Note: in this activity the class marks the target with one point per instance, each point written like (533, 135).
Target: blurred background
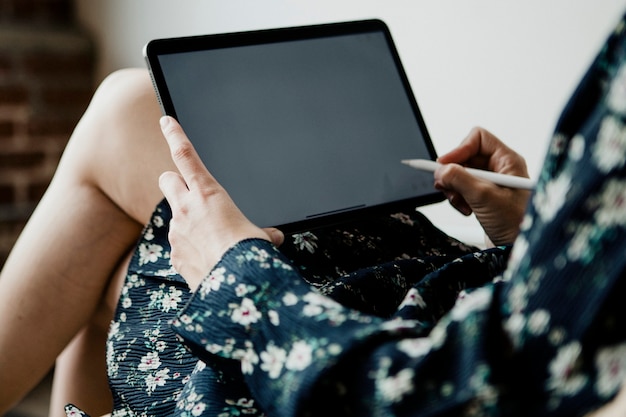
(505, 65)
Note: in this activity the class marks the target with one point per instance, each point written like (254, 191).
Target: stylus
(511, 181)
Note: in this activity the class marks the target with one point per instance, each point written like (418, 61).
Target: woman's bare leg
(56, 276)
(80, 375)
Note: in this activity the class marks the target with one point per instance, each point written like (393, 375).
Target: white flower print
(213, 281)
(397, 324)
(413, 298)
(200, 366)
(246, 313)
(616, 98)
(556, 336)
(306, 240)
(527, 222)
(612, 210)
(149, 253)
(111, 361)
(549, 201)
(261, 256)
(518, 252)
(114, 329)
(72, 411)
(158, 221)
(230, 279)
(299, 356)
(157, 380)
(404, 218)
(577, 147)
(611, 366)
(558, 143)
(564, 379)
(290, 299)
(248, 359)
(245, 402)
(133, 281)
(171, 299)
(393, 388)
(241, 290)
(243, 406)
(148, 234)
(213, 348)
(150, 361)
(476, 300)
(514, 325)
(198, 409)
(538, 322)
(317, 303)
(578, 246)
(334, 349)
(272, 360)
(486, 393)
(438, 334)
(518, 297)
(414, 348)
(274, 317)
(610, 150)
(193, 396)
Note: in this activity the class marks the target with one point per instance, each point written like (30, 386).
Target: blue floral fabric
(451, 330)
(151, 372)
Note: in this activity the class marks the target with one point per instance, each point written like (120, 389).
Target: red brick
(54, 64)
(7, 194)
(6, 66)
(39, 11)
(7, 129)
(48, 65)
(36, 191)
(13, 94)
(67, 97)
(20, 160)
(50, 126)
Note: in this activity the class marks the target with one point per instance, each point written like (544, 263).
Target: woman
(99, 213)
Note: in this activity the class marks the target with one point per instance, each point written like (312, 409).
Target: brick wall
(46, 80)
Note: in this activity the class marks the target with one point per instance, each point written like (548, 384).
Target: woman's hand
(498, 209)
(205, 221)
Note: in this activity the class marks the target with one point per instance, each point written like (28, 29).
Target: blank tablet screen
(300, 128)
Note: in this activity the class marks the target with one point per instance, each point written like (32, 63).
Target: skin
(61, 283)
(498, 209)
(58, 286)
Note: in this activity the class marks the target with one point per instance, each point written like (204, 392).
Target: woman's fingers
(184, 155)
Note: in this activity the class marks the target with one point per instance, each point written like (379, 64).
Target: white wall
(506, 65)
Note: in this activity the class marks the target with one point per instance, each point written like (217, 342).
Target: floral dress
(358, 321)
(149, 368)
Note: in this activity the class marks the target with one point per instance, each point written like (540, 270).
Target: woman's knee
(118, 147)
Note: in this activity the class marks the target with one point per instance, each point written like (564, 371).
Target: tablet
(304, 126)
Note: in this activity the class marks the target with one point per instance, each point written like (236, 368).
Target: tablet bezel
(157, 47)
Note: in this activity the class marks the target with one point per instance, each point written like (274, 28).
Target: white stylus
(511, 181)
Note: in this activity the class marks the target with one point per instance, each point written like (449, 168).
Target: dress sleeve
(544, 339)
(301, 351)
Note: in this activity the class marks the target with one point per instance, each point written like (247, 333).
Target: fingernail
(164, 121)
